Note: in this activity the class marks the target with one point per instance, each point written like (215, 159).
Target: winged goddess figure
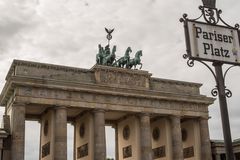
(109, 32)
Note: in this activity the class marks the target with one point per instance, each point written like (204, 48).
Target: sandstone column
(60, 147)
(99, 135)
(17, 131)
(206, 153)
(177, 147)
(145, 137)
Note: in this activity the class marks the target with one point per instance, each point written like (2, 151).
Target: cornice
(42, 65)
(192, 84)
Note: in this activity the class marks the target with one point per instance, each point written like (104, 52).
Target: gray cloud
(68, 32)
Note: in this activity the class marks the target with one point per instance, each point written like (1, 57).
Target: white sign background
(207, 42)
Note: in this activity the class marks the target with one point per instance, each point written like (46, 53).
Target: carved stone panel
(159, 152)
(188, 152)
(82, 151)
(45, 149)
(122, 77)
(127, 152)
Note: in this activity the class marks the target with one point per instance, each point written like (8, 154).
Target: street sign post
(209, 41)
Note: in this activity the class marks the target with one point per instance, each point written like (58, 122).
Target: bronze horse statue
(123, 61)
(135, 61)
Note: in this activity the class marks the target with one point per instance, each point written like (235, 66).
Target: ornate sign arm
(225, 73)
(190, 63)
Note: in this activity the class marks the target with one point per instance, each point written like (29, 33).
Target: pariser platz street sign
(219, 44)
(212, 42)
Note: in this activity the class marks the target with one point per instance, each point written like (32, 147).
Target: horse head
(138, 53)
(128, 50)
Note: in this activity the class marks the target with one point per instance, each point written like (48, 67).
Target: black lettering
(212, 49)
(206, 47)
(226, 53)
(205, 35)
(210, 35)
(225, 38)
(230, 39)
(217, 52)
(198, 31)
(220, 38)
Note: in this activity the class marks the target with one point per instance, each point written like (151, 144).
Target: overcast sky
(67, 32)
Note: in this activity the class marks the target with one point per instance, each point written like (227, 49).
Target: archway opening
(32, 140)
(110, 142)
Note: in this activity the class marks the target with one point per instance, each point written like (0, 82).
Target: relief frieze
(110, 99)
(114, 77)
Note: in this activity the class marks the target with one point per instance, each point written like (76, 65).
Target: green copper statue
(135, 61)
(107, 57)
(124, 61)
(99, 56)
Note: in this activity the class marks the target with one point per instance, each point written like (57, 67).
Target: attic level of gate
(40, 86)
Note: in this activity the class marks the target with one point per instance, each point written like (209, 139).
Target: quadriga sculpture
(106, 57)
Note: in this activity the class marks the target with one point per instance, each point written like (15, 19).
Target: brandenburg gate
(153, 118)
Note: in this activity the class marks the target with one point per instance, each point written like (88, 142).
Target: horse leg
(141, 65)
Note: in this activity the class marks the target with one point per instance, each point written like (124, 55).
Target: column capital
(98, 110)
(18, 104)
(144, 114)
(171, 117)
(59, 107)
